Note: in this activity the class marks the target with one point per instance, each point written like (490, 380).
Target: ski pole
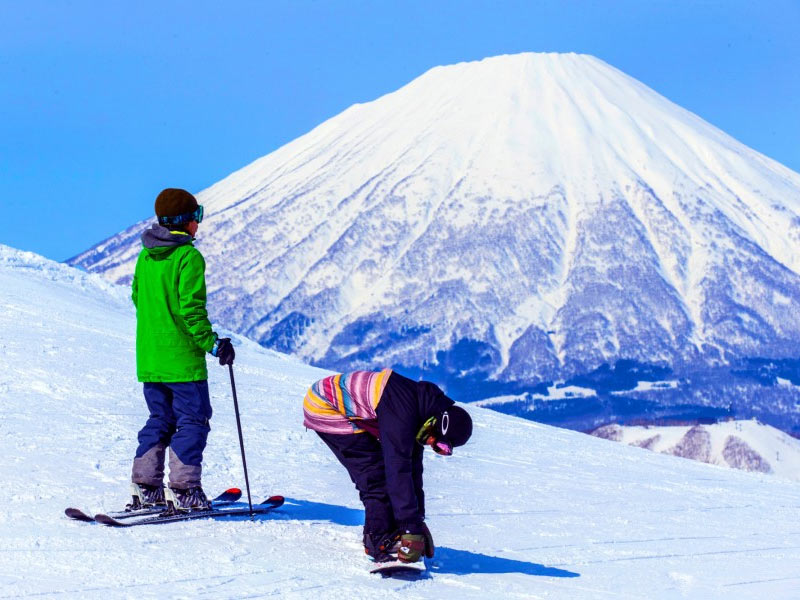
(241, 441)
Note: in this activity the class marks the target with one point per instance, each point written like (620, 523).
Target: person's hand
(412, 547)
(224, 351)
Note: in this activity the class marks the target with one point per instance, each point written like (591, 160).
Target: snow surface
(524, 218)
(523, 511)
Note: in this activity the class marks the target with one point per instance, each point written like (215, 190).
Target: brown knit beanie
(173, 202)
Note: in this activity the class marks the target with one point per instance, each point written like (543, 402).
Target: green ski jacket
(173, 332)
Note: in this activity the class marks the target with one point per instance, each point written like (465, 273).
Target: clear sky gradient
(103, 104)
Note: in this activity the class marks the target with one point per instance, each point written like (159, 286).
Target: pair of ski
(221, 507)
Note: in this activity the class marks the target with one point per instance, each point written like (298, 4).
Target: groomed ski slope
(524, 511)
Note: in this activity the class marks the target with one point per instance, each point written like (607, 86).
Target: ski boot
(145, 496)
(186, 500)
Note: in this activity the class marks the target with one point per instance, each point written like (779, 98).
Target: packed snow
(523, 511)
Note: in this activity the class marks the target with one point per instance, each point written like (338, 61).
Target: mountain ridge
(745, 445)
(522, 219)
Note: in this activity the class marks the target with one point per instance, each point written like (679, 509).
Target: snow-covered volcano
(524, 218)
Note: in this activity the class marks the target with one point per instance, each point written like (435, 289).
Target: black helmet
(454, 426)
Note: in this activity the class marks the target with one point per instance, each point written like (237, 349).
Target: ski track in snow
(523, 511)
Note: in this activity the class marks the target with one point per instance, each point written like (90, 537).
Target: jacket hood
(159, 236)
(432, 400)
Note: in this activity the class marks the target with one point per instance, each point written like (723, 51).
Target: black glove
(224, 351)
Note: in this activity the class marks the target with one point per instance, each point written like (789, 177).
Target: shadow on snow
(306, 510)
(447, 560)
(463, 562)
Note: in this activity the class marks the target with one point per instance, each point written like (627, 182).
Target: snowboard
(400, 570)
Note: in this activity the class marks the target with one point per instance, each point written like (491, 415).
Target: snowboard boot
(382, 547)
(188, 499)
(145, 496)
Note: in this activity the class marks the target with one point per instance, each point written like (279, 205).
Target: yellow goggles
(426, 436)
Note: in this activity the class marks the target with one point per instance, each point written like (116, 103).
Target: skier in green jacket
(173, 335)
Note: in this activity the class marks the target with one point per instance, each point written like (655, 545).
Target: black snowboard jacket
(403, 408)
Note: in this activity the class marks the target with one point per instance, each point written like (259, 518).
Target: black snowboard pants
(361, 455)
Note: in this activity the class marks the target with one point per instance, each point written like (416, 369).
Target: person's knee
(156, 430)
(194, 423)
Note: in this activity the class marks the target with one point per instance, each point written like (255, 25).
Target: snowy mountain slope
(745, 445)
(524, 218)
(523, 511)
(632, 393)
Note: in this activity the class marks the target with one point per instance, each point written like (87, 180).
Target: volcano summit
(504, 224)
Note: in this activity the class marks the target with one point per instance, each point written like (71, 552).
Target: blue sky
(103, 104)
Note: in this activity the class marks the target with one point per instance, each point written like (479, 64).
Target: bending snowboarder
(173, 334)
(377, 424)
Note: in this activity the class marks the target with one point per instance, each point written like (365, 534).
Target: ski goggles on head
(195, 215)
(426, 436)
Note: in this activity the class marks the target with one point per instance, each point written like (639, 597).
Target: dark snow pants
(179, 418)
(361, 455)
